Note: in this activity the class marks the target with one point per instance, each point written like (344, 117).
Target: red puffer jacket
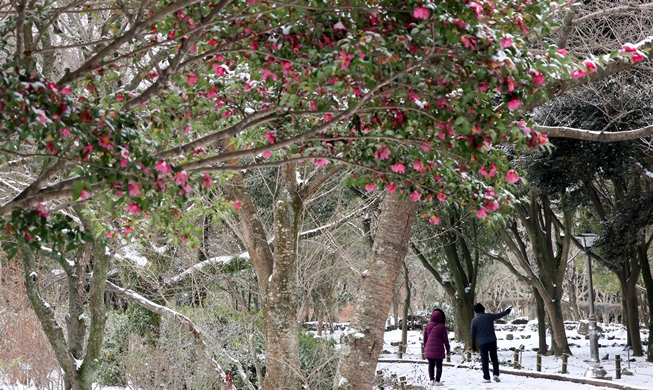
(436, 341)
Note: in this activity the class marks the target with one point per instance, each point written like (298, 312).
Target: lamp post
(595, 370)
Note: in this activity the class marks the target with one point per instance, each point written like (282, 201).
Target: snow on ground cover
(612, 342)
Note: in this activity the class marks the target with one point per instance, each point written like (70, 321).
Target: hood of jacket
(436, 317)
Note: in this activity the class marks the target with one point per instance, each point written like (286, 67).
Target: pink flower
(134, 189)
(133, 208)
(629, 48)
(87, 149)
(270, 137)
(180, 177)
(109, 234)
(127, 230)
(218, 69)
(481, 213)
(538, 78)
(415, 196)
(66, 91)
(28, 237)
(442, 196)
(562, 52)
(238, 205)
(207, 181)
(512, 176)
(417, 165)
(578, 73)
(124, 163)
(383, 153)
(65, 132)
(120, 96)
(84, 194)
(192, 79)
(477, 9)
(345, 58)
(370, 186)
(392, 187)
(506, 42)
(41, 210)
(490, 173)
(514, 103)
(106, 142)
(490, 192)
(398, 168)
(434, 220)
(266, 73)
(421, 13)
(491, 205)
(321, 162)
(163, 167)
(637, 57)
(266, 154)
(591, 66)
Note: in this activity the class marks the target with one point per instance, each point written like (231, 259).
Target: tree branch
(596, 136)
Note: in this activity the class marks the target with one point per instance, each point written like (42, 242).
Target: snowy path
(612, 343)
(465, 378)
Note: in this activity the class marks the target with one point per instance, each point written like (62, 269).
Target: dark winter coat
(483, 327)
(436, 339)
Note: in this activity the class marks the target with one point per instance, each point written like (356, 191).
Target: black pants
(438, 364)
(491, 349)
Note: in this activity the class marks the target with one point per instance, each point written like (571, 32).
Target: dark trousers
(438, 364)
(491, 349)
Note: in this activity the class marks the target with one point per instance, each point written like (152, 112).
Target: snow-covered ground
(611, 343)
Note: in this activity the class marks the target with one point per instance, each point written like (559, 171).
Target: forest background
(184, 183)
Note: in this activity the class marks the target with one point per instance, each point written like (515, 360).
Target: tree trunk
(541, 323)
(463, 316)
(629, 291)
(404, 324)
(77, 359)
(280, 306)
(361, 346)
(648, 283)
(558, 333)
(573, 297)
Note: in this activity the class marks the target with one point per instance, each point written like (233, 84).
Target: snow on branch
(223, 260)
(317, 230)
(596, 136)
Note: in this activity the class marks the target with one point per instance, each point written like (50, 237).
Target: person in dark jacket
(436, 341)
(483, 331)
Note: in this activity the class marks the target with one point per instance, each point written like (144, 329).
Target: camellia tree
(163, 98)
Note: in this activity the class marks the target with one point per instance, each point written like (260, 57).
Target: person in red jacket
(436, 341)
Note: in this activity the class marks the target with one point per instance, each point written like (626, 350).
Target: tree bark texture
(648, 283)
(628, 278)
(77, 357)
(280, 306)
(362, 344)
(543, 349)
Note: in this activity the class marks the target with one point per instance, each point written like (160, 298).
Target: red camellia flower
(134, 208)
(421, 13)
(512, 176)
(514, 103)
(192, 79)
